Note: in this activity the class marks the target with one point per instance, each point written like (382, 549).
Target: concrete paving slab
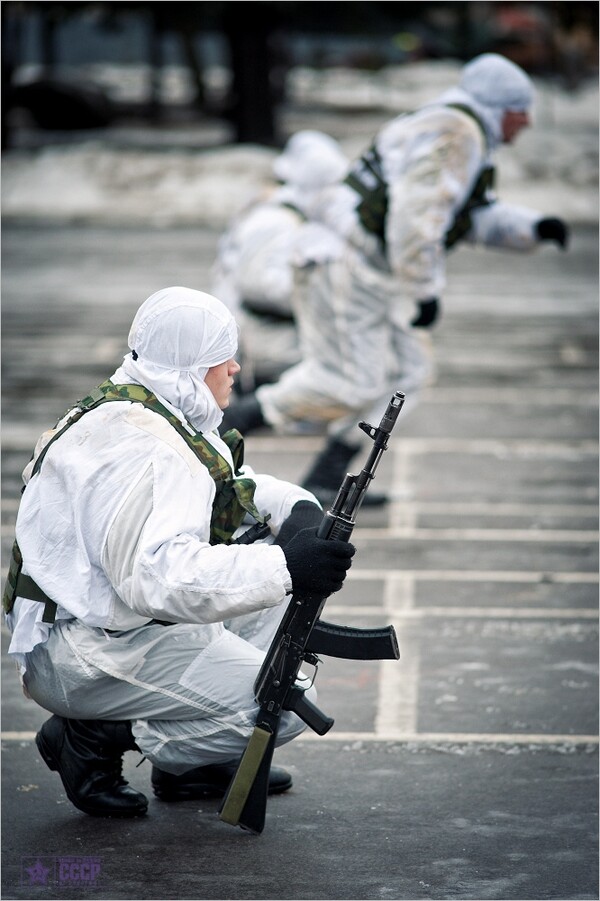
(364, 821)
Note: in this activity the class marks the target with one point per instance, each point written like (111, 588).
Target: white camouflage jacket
(431, 160)
(115, 528)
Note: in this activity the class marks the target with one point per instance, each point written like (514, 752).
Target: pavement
(469, 768)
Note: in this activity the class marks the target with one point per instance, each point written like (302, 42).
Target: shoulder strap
(19, 585)
(367, 179)
(76, 413)
(234, 497)
(288, 205)
(478, 197)
(214, 462)
(463, 108)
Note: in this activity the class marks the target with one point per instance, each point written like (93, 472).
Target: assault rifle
(301, 637)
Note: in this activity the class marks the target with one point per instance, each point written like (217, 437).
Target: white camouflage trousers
(357, 349)
(188, 689)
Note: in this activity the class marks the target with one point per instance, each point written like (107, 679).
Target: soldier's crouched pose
(135, 620)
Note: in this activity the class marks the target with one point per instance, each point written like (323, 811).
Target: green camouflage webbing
(478, 197)
(234, 497)
(367, 179)
(288, 205)
(10, 586)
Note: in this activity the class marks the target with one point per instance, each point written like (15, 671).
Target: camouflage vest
(367, 179)
(234, 497)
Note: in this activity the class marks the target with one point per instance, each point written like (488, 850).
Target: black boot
(327, 474)
(244, 414)
(209, 782)
(87, 756)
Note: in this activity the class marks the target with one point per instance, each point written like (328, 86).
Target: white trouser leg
(409, 368)
(343, 334)
(187, 689)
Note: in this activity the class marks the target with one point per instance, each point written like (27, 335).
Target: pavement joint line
(398, 695)
(458, 612)
(398, 593)
(422, 445)
(463, 575)
(540, 397)
(530, 446)
(11, 504)
(428, 738)
(400, 513)
(502, 509)
(408, 533)
(398, 687)
(21, 440)
(515, 738)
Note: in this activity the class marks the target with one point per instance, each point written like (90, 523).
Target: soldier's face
(512, 123)
(219, 380)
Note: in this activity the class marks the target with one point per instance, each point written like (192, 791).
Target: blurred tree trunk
(191, 58)
(252, 96)
(155, 60)
(48, 42)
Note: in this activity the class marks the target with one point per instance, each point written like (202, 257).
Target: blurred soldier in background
(425, 184)
(253, 272)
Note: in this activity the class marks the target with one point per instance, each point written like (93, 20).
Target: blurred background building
(90, 65)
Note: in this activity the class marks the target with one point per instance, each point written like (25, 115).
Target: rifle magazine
(353, 644)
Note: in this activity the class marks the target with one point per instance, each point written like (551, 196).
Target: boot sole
(197, 792)
(52, 764)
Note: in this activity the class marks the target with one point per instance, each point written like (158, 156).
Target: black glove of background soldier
(553, 229)
(428, 312)
(547, 229)
(317, 565)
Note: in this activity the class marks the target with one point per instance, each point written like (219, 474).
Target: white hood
(490, 85)
(177, 335)
(310, 161)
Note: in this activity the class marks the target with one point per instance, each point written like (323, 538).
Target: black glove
(304, 515)
(429, 310)
(553, 230)
(317, 565)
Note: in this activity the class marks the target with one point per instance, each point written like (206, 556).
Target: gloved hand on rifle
(317, 565)
(304, 515)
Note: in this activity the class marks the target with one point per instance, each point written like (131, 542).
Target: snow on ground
(187, 176)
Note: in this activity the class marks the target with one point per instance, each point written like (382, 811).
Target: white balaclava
(492, 85)
(311, 160)
(176, 336)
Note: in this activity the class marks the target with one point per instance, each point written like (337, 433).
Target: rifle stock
(301, 637)
(245, 803)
